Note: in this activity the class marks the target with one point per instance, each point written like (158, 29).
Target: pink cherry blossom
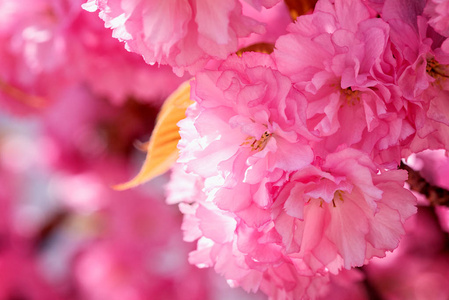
(182, 33)
(342, 213)
(248, 257)
(322, 221)
(341, 57)
(245, 132)
(338, 214)
(287, 176)
(421, 67)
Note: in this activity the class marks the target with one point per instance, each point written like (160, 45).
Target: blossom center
(350, 97)
(436, 70)
(257, 144)
(338, 196)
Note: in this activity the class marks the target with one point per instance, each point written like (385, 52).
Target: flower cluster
(293, 155)
(182, 33)
(64, 232)
(297, 122)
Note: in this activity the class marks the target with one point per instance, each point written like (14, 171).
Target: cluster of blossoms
(290, 158)
(288, 175)
(185, 34)
(64, 232)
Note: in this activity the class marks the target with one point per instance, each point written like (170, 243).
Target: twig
(436, 195)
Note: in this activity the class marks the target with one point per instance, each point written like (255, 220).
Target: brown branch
(371, 290)
(436, 195)
(50, 227)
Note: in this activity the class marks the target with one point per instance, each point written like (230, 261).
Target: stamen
(436, 70)
(339, 195)
(259, 144)
(350, 97)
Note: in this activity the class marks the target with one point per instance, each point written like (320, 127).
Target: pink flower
(249, 257)
(343, 212)
(182, 33)
(274, 191)
(341, 57)
(422, 70)
(338, 214)
(245, 133)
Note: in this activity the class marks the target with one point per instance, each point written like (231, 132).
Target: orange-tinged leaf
(162, 149)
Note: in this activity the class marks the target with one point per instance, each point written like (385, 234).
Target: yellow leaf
(162, 149)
